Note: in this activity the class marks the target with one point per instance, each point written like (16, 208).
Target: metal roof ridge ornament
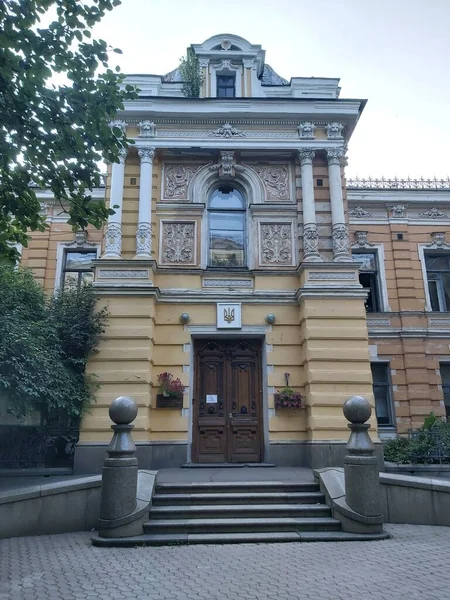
(399, 184)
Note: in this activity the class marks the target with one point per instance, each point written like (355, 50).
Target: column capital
(146, 153)
(122, 155)
(306, 155)
(336, 156)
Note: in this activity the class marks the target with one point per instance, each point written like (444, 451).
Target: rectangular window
(78, 267)
(438, 279)
(369, 279)
(445, 377)
(226, 86)
(382, 392)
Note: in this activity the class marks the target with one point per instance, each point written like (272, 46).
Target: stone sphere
(357, 409)
(185, 318)
(123, 410)
(270, 319)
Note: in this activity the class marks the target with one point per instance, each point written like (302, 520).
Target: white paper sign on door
(211, 398)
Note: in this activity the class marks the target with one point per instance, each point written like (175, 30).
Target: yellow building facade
(239, 262)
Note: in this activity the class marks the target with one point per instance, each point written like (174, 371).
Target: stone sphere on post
(123, 410)
(357, 410)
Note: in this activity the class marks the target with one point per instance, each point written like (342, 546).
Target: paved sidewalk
(413, 564)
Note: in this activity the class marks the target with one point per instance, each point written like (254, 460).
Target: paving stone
(412, 564)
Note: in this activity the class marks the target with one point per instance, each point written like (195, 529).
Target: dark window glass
(382, 393)
(78, 267)
(226, 228)
(225, 86)
(438, 275)
(369, 279)
(445, 377)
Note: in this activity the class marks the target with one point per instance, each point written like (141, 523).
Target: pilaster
(335, 347)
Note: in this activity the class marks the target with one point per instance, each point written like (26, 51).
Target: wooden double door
(227, 405)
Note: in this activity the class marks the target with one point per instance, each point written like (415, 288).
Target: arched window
(226, 213)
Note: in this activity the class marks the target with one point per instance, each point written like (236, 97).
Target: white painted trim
(421, 250)
(377, 249)
(60, 255)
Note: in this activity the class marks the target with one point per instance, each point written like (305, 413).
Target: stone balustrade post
(361, 471)
(120, 470)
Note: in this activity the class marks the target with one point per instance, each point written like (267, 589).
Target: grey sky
(395, 53)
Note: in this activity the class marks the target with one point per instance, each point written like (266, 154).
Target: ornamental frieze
(275, 244)
(178, 243)
(276, 181)
(176, 180)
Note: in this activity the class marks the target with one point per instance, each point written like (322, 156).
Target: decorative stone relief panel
(276, 244)
(176, 180)
(178, 243)
(276, 181)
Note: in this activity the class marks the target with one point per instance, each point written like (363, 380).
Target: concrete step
(236, 538)
(219, 487)
(230, 511)
(243, 525)
(238, 498)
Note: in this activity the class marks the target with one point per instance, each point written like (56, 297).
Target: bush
(430, 444)
(45, 345)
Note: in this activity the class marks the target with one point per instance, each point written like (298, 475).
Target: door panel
(228, 428)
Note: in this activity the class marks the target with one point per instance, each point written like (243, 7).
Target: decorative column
(113, 236)
(341, 245)
(144, 230)
(310, 233)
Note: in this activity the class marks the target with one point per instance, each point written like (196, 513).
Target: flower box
(171, 401)
(288, 399)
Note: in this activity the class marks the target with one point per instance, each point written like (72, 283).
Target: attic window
(226, 86)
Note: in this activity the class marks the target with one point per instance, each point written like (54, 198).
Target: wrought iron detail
(399, 184)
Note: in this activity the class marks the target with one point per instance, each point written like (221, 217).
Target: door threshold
(226, 465)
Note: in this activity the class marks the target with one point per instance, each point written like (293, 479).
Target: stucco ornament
(359, 212)
(361, 240)
(310, 240)
(147, 129)
(113, 239)
(226, 162)
(146, 154)
(433, 213)
(306, 130)
(227, 131)
(398, 211)
(276, 181)
(178, 242)
(341, 245)
(438, 240)
(144, 239)
(336, 156)
(335, 131)
(176, 180)
(119, 124)
(276, 243)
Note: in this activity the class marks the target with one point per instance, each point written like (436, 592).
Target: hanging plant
(191, 74)
(287, 397)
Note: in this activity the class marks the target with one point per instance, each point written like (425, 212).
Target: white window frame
(423, 249)
(61, 251)
(378, 250)
(385, 428)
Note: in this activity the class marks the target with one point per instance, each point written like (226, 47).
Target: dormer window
(226, 86)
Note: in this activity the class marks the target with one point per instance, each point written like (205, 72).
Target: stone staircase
(237, 512)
